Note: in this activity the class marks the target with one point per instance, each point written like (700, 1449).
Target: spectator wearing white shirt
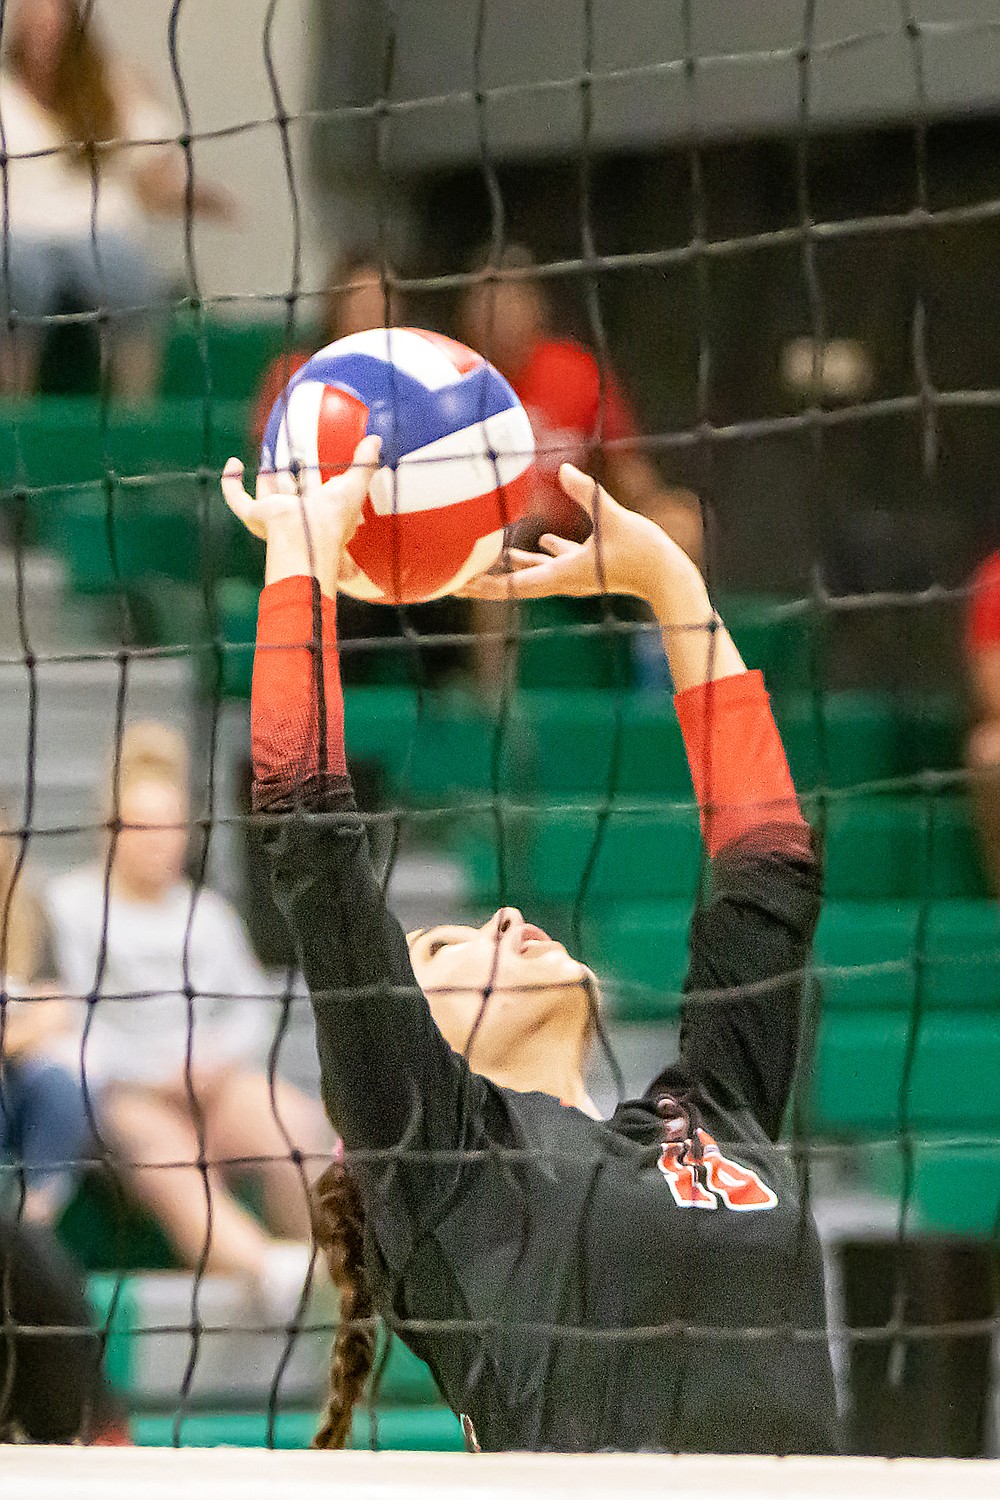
(78, 191)
(180, 1024)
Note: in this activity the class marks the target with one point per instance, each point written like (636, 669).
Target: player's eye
(436, 946)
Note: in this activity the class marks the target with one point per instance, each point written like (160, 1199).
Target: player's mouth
(528, 933)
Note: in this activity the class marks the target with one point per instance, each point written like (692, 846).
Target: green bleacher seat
(856, 1072)
(864, 954)
(645, 853)
(948, 1185)
(925, 846)
(641, 950)
(227, 356)
(567, 657)
(772, 634)
(962, 956)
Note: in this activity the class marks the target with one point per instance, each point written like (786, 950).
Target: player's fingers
(557, 546)
(267, 484)
(530, 583)
(235, 495)
(583, 489)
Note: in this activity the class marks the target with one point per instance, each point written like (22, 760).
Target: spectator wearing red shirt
(357, 298)
(982, 644)
(578, 411)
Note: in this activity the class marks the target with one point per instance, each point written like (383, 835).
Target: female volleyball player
(652, 1281)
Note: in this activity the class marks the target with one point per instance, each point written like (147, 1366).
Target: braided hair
(338, 1227)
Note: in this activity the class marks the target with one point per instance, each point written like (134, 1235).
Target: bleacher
(581, 771)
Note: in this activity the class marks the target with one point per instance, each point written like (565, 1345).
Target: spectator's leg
(116, 275)
(29, 288)
(983, 756)
(244, 1121)
(157, 1144)
(53, 1133)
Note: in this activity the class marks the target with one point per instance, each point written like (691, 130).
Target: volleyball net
(777, 236)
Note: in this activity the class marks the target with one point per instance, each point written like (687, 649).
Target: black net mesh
(799, 329)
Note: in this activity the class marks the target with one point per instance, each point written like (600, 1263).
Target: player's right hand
(306, 532)
(624, 554)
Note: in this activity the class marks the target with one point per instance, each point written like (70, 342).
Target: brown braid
(338, 1226)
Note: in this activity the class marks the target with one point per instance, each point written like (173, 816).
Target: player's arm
(750, 942)
(388, 1077)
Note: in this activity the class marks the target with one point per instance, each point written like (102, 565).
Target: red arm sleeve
(982, 620)
(738, 766)
(297, 707)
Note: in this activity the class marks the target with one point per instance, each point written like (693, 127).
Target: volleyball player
(652, 1281)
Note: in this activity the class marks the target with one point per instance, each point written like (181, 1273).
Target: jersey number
(714, 1179)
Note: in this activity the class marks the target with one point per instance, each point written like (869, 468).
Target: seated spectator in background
(982, 640)
(355, 300)
(66, 104)
(574, 406)
(176, 1039)
(44, 1128)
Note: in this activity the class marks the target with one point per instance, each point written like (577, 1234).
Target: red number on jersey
(739, 1188)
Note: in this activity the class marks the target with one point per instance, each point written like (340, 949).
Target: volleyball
(457, 450)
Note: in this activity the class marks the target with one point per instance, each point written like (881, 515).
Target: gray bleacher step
(218, 1350)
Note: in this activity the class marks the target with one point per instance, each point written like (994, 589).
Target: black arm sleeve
(750, 946)
(390, 1082)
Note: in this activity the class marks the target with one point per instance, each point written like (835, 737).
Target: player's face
(150, 850)
(492, 988)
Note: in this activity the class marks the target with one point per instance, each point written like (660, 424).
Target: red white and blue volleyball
(457, 452)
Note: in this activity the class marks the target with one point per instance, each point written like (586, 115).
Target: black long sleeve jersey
(577, 1284)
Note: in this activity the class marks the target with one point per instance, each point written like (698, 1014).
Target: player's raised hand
(305, 531)
(624, 554)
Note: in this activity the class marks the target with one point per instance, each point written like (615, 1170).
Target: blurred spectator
(357, 298)
(51, 1386)
(175, 1041)
(574, 404)
(76, 193)
(43, 1118)
(982, 638)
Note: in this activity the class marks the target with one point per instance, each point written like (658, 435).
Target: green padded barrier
(418, 1429)
(864, 954)
(113, 1303)
(237, 354)
(643, 948)
(645, 854)
(962, 955)
(926, 847)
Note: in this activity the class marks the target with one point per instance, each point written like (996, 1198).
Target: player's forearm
(297, 712)
(698, 646)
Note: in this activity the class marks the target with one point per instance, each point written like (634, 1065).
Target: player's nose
(503, 920)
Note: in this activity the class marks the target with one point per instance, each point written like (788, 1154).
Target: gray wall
(527, 57)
